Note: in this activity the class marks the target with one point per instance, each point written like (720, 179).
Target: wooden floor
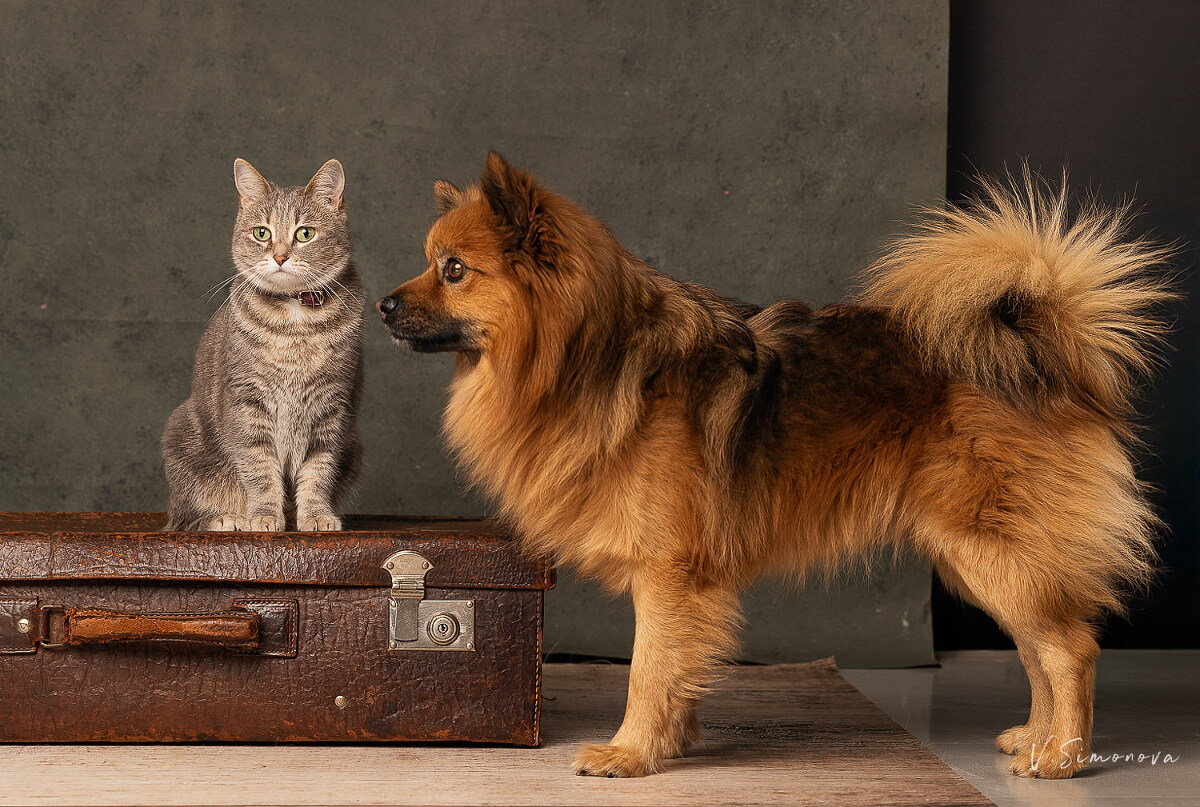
(787, 734)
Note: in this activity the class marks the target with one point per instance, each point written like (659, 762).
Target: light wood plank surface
(784, 734)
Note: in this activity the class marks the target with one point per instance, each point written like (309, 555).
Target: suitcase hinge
(415, 623)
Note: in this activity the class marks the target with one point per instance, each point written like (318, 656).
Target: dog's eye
(454, 270)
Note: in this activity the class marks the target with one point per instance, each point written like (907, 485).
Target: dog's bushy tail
(1012, 294)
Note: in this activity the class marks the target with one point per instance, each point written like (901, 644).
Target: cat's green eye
(305, 234)
(260, 233)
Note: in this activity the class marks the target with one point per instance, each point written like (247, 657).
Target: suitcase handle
(235, 629)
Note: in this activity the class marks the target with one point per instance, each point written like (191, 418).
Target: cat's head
(288, 240)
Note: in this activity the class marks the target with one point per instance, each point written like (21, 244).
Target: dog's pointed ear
(514, 197)
(447, 194)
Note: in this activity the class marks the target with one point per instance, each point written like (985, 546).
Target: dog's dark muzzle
(420, 331)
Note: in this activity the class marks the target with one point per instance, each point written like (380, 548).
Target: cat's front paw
(227, 522)
(319, 522)
(266, 523)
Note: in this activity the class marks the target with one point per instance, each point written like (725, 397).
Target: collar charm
(313, 298)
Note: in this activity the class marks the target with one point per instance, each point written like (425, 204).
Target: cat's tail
(1013, 295)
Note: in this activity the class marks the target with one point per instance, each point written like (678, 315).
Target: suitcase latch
(415, 623)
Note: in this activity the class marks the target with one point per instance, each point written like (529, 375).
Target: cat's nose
(387, 305)
(279, 259)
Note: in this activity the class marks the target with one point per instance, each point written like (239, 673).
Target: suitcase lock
(415, 623)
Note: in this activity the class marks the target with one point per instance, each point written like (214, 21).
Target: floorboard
(784, 734)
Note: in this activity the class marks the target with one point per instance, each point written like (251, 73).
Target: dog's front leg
(684, 628)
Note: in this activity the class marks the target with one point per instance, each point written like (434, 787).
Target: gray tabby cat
(268, 436)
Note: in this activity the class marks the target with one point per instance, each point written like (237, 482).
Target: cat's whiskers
(309, 277)
(314, 279)
(240, 290)
(212, 290)
(335, 294)
(234, 290)
(341, 302)
(334, 280)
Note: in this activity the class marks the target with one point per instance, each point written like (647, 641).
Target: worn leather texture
(465, 552)
(343, 683)
(13, 612)
(238, 631)
(278, 626)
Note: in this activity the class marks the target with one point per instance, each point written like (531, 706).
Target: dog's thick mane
(609, 339)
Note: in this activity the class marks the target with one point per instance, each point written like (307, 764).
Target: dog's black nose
(387, 305)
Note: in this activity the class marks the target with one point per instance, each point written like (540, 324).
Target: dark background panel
(1112, 91)
(762, 148)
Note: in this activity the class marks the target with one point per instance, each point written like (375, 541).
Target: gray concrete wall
(761, 148)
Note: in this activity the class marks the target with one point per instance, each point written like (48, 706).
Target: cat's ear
(328, 183)
(250, 183)
(447, 194)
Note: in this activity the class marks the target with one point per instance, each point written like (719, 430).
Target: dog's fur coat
(675, 444)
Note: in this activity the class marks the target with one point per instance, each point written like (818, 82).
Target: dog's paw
(612, 761)
(266, 523)
(1014, 741)
(1049, 761)
(227, 522)
(319, 522)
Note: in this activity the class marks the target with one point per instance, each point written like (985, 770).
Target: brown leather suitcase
(408, 629)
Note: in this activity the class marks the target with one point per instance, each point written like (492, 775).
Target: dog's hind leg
(1020, 739)
(1058, 652)
(1017, 739)
(683, 630)
(1067, 650)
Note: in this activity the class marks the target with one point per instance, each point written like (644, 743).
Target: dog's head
(498, 250)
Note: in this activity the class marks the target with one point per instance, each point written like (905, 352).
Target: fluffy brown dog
(675, 444)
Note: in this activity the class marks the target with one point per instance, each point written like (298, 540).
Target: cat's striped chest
(302, 366)
(297, 358)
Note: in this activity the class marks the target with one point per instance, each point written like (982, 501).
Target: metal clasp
(408, 571)
(46, 610)
(415, 623)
